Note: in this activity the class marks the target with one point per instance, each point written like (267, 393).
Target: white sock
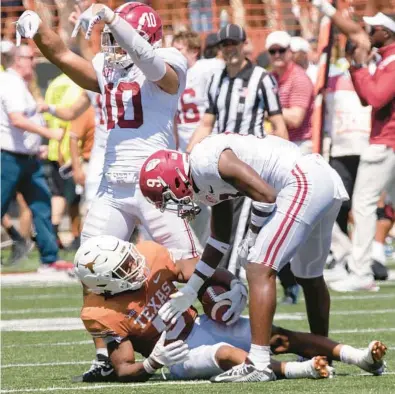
(378, 252)
(102, 351)
(351, 355)
(260, 356)
(297, 370)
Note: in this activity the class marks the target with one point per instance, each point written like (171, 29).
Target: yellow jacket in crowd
(62, 92)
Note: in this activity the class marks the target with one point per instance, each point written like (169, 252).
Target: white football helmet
(108, 265)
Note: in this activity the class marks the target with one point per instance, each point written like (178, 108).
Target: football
(215, 310)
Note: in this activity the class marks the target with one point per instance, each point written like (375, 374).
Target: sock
(102, 351)
(297, 370)
(14, 234)
(378, 252)
(350, 355)
(260, 356)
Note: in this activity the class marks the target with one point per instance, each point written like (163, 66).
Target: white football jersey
(272, 157)
(192, 104)
(139, 114)
(101, 133)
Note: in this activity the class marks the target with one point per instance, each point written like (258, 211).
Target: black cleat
(101, 370)
(380, 271)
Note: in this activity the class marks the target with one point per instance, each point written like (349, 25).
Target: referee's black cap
(211, 40)
(232, 32)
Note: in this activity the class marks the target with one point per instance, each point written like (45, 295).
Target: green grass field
(45, 361)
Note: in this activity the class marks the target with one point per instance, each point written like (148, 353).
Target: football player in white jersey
(296, 200)
(140, 84)
(192, 104)
(193, 100)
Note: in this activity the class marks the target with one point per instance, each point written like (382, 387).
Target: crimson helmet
(144, 19)
(165, 181)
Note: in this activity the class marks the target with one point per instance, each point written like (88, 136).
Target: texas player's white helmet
(108, 265)
(144, 19)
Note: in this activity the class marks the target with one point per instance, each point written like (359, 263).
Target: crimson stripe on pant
(290, 216)
(191, 238)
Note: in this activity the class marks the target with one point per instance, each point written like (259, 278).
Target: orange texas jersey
(134, 314)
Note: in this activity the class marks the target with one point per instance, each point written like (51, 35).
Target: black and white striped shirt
(239, 104)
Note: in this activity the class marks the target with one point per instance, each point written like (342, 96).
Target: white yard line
(136, 385)
(362, 331)
(89, 342)
(37, 310)
(279, 316)
(44, 297)
(75, 296)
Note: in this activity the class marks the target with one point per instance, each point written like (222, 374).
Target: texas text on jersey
(134, 314)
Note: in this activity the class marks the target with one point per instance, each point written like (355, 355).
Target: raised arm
(81, 71)
(346, 25)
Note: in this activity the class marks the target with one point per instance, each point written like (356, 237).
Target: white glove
(167, 355)
(94, 14)
(244, 247)
(238, 296)
(325, 7)
(178, 304)
(27, 26)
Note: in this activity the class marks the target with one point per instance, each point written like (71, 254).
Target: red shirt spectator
(297, 90)
(378, 90)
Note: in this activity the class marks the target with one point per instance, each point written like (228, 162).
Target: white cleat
(373, 361)
(244, 373)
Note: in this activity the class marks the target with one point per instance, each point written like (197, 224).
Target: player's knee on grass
(228, 356)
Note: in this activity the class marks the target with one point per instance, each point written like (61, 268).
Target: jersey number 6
(115, 96)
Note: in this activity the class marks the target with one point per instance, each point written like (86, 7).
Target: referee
(239, 95)
(237, 99)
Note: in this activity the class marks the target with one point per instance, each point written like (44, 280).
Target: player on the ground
(296, 200)
(140, 85)
(131, 283)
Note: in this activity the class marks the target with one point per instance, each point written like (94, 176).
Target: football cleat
(245, 372)
(373, 361)
(101, 370)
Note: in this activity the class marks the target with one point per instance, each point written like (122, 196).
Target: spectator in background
(21, 130)
(295, 89)
(201, 15)
(301, 55)
(82, 132)
(376, 171)
(62, 91)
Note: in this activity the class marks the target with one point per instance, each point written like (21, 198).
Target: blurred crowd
(45, 159)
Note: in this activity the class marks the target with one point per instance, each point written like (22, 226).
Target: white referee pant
(376, 172)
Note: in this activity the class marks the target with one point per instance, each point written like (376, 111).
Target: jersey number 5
(114, 95)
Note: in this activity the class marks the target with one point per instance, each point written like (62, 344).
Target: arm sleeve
(270, 95)
(373, 90)
(175, 59)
